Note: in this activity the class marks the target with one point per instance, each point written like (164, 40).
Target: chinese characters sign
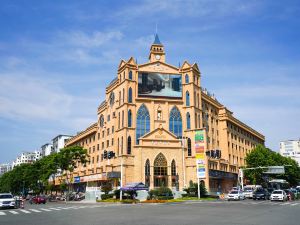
(200, 155)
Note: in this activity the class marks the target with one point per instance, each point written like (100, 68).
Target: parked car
(278, 195)
(248, 192)
(7, 200)
(290, 195)
(261, 194)
(38, 200)
(235, 195)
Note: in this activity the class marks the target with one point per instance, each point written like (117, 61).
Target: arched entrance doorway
(160, 171)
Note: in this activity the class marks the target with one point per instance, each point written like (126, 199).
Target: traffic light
(110, 155)
(105, 154)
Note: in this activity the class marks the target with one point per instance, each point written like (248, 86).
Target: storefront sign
(113, 174)
(76, 179)
(200, 156)
(90, 178)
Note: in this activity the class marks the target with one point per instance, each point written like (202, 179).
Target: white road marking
(13, 212)
(24, 211)
(47, 210)
(294, 204)
(34, 210)
(287, 203)
(2, 213)
(55, 209)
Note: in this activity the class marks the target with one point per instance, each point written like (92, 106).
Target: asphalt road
(246, 212)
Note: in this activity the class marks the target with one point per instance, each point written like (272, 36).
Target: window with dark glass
(130, 95)
(130, 75)
(142, 122)
(187, 79)
(129, 118)
(173, 173)
(175, 122)
(101, 121)
(129, 145)
(147, 173)
(160, 171)
(188, 121)
(189, 147)
(187, 98)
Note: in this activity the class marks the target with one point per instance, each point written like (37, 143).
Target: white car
(235, 195)
(278, 195)
(7, 200)
(248, 192)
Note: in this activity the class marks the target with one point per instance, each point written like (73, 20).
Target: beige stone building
(145, 131)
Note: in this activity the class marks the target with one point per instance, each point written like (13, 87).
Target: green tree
(262, 157)
(67, 160)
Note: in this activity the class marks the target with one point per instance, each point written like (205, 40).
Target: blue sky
(56, 58)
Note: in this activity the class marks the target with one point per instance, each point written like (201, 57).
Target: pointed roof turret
(156, 40)
(157, 51)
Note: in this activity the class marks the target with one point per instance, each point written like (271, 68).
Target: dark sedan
(261, 194)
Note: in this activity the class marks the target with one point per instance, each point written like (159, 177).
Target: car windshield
(248, 189)
(233, 192)
(5, 196)
(277, 192)
(259, 191)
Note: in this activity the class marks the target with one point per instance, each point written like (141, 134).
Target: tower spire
(157, 52)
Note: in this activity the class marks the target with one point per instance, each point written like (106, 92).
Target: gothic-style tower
(157, 51)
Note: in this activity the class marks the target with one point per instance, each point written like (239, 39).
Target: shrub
(162, 193)
(106, 188)
(192, 190)
(107, 196)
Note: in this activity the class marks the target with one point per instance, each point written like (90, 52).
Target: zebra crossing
(50, 209)
(250, 203)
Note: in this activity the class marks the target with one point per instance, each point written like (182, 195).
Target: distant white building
(291, 148)
(47, 149)
(5, 167)
(59, 142)
(27, 157)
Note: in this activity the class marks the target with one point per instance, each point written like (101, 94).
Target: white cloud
(85, 40)
(190, 8)
(22, 97)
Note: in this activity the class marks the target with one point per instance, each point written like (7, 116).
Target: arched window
(101, 121)
(173, 168)
(173, 173)
(129, 118)
(188, 121)
(160, 171)
(175, 122)
(123, 118)
(130, 95)
(121, 145)
(123, 100)
(118, 146)
(142, 122)
(130, 75)
(129, 145)
(187, 80)
(147, 173)
(189, 147)
(187, 98)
